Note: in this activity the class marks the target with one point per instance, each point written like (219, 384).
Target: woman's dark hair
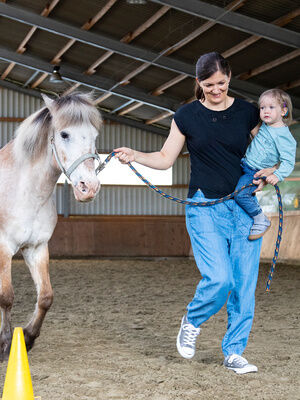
(206, 66)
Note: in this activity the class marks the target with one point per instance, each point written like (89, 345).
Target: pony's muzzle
(86, 191)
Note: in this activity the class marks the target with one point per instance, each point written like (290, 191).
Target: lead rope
(211, 203)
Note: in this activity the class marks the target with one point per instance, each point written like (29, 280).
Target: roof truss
(234, 20)
(108, 116)
(133, 96)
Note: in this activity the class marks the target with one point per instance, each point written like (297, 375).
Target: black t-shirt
(216, 141)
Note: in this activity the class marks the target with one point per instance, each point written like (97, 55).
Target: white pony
(58, 137)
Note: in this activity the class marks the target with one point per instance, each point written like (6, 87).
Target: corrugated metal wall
(14, 105)
(120, 200)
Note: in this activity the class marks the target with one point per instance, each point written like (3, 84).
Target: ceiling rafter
(234, 21)
(290, 85)
(269, 65)
(203, 28)
(94, 40)
(234, 5)
(284, 20)
(101, 41)
(106, 116)
(280, 22)
(129, 37)
(181, 68)
(95, 82)
(160, 89)
(21, 48)
(129, 108)
(86, 26)
(159, 117)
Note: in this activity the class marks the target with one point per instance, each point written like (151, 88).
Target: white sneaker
(186, 339)
(239, 364)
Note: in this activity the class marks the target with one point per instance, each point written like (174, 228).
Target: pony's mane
(32, 136)
(75, 109)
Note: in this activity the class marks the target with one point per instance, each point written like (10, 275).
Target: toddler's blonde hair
(284, 101)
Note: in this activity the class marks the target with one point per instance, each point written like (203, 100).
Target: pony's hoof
(29, 340)
(4, 351)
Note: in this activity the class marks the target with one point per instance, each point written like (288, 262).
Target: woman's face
(215, 87)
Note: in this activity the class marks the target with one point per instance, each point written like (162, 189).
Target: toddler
(272, 144)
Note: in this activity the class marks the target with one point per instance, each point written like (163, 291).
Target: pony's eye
(64, 135)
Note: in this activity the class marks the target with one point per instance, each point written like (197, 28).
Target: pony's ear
(48, 101)
(89, 96)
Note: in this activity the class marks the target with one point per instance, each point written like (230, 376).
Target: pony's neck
(33, 154)
(40, 176)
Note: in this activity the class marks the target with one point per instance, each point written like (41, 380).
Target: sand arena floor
(111, 334)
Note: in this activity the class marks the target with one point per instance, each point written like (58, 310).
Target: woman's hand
(125, 155)
(266, 172)
(261, 183)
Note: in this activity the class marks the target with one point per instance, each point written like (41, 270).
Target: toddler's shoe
(260, 226)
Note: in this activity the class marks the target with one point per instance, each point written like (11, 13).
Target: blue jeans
(246, 199)
(228, 263)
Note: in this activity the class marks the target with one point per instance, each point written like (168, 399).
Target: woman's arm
(255, 130)
(162, 159)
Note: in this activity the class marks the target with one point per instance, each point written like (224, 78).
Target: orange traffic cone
(17, 385)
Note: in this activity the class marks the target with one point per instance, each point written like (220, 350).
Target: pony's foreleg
(6, 302)
(37, 259)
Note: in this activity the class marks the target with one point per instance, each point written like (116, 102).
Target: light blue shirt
(270, 146)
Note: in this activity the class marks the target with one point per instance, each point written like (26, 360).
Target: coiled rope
(211, 203)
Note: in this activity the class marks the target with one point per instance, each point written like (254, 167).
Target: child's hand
(265, 172)
(272, 179)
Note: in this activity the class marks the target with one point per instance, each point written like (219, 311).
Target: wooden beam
(130, 108)
(86, 26)
(234, 5)
(92, 68)
(21, 48)
(269, 65)
(285, 19)
(159, 117)
(8, 70)
(290, 85)
(39, 80)
(11, 119)
(126, 80)
(132, 35)
(132, 74)
(160, 89)
(57, 58)
(102, 98)
(127, 39)
(235, 21)
(167, 114)
(91, 22)
(71, 89)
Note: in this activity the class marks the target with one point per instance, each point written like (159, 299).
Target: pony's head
(75, 125)
(71, 124)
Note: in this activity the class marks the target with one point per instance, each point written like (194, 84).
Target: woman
(217, 130)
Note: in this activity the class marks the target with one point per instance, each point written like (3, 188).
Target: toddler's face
(271, 112)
